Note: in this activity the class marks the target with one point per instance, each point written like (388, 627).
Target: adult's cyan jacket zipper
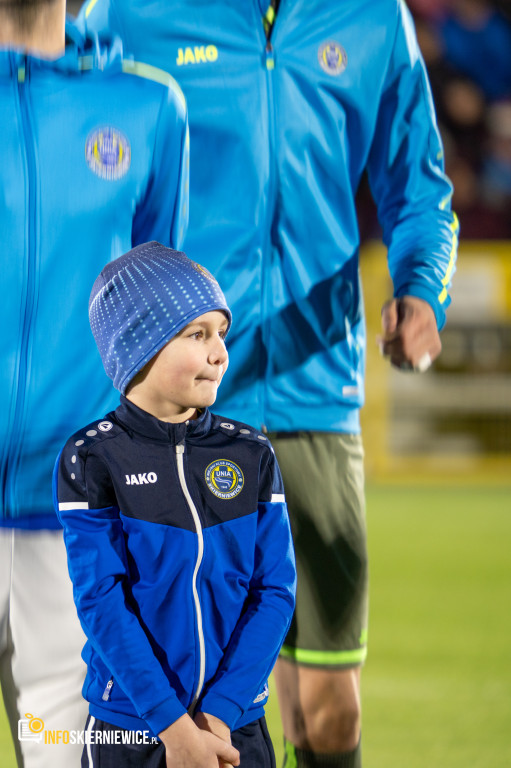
(269, 64)
(15, 438)
(180, 449)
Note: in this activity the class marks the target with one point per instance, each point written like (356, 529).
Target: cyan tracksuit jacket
(93, 161)
(280, 137)
(180, 553)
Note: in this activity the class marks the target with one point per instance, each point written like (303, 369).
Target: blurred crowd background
(467, 48)
(466, 45)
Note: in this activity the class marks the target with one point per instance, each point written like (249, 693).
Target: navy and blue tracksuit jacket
(280, 136)
(180, 553)
(93, 160)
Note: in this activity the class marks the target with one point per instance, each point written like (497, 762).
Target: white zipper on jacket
(180, 449)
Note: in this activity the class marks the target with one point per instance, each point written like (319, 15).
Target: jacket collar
(134, 419)
(84, 51)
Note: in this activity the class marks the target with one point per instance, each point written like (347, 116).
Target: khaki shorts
(324, 484)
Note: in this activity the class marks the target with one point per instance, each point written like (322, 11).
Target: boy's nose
(218, 354)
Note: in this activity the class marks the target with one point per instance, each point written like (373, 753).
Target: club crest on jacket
(332, 57)
(224, 479)
(108, 153)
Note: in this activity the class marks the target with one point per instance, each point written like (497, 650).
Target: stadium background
(437, 683)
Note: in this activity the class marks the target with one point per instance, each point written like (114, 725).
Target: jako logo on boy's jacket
(143, 478)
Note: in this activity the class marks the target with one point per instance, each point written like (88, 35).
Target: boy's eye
(201, 334)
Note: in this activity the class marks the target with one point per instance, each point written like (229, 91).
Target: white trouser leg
(47, 671)
(9, 692)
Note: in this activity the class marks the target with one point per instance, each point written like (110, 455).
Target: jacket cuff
(164, 714)
(217, 705)
(426, 294)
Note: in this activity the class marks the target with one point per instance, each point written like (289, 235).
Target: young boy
(176, 530)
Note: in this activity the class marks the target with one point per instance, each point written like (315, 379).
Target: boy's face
(186, 373)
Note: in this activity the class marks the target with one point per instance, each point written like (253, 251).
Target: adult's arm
(413, 196)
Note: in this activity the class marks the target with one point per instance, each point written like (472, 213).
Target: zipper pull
(180, 447)
(270, 56)
(22, 69)
(108, 689)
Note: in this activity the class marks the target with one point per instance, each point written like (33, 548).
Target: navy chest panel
(224, 478)
(221, 477)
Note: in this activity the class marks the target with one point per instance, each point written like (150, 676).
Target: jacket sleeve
(162, 215)
(406, 175)
(256, 641)
(97, 561)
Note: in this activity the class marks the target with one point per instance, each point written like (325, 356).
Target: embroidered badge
(203, 271)
(332, 57)
(224, 479)
(108, 153)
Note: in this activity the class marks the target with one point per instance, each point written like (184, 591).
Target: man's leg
(318, 673)
(320, 715)
(47, 670)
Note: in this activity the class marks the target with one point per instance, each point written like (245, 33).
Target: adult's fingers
(389, 318)
(415, 342)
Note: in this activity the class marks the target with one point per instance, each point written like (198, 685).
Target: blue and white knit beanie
(141, 300)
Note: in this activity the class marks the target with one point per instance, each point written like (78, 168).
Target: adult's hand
(410, 337)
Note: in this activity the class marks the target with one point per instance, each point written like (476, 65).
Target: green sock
(302, 758)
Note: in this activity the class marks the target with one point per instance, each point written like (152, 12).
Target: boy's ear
(138, 377)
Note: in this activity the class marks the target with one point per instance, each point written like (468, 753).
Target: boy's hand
(207, 722)
(187, 746)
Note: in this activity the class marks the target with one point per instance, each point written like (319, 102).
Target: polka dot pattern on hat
(141, 300)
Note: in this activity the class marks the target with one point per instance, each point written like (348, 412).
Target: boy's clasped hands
(204, 742)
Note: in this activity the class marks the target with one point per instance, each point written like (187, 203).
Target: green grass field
(437, 683)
